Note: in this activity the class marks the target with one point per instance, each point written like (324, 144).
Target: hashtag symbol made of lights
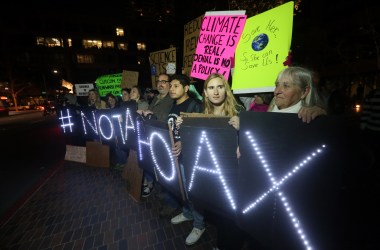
(277, 184)
(66, 120)
(217, 171)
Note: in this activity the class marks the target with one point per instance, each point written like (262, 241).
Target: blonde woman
(218, 98)
(95, 101)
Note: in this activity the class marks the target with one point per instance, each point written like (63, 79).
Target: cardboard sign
(159, 60)
(75, 153)
(133, 176)
(129, 79)
(191, 34)
(97, 154)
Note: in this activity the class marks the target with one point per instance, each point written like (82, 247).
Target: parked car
(4, 110)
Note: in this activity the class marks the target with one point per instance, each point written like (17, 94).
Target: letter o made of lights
(168, 149)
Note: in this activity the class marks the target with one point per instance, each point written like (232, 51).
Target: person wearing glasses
(159, 108)
(161, 103)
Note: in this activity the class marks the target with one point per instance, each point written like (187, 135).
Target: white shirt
(292, 109)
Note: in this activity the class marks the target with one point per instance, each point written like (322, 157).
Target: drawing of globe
(260, 42)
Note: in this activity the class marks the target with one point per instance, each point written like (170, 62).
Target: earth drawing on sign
(260, 42)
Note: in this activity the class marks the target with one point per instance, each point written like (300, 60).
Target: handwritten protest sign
(82, 89)
(262, 49)
(129, 79)
(158, 62)
(109, 84)
(191, 33)
(218, 38)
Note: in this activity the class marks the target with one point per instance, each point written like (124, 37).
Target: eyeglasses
(162, 81)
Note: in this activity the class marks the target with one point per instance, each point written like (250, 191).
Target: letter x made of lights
(276, 185)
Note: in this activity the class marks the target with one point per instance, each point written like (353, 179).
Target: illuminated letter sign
(210, 163)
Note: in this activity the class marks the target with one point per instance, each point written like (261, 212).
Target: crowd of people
(294, 92)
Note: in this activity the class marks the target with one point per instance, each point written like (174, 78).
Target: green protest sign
(109, 84)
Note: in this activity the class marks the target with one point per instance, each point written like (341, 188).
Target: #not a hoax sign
(219, 35)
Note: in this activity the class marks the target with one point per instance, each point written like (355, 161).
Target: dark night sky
(324, 32)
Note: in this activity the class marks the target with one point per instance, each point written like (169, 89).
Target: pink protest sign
(219, 35)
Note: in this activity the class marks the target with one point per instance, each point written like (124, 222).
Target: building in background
(42, 44)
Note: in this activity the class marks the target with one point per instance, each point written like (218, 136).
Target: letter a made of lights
(217, 171)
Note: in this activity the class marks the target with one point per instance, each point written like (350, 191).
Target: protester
(136, 95)
(159, 108)
(161, 103)
(149, 95)
(179, 87)
(111, 101)
(125, 94)
(261, 102)
(94, 100)
(118, 156)
(218, 100)
(294, 92)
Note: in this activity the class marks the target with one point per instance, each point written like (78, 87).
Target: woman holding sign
(294, 93)
(219, 100)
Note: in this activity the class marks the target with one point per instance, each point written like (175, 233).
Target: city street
(31, 147)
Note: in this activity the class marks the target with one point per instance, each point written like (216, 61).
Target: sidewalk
(82, 207)
(20, 112)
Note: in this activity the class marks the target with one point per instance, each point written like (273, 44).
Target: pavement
(83, 207)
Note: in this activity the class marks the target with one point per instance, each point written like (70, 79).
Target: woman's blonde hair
(98, 100)
(230, 107)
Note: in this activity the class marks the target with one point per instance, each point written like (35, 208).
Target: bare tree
(16, 88)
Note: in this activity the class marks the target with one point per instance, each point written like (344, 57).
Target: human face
(134, 95)
(215, 91)
(287, 93)
(125, 96)
(258, 99)
(111, 102)
(92, 96)
(163, 85)
(177, 91)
